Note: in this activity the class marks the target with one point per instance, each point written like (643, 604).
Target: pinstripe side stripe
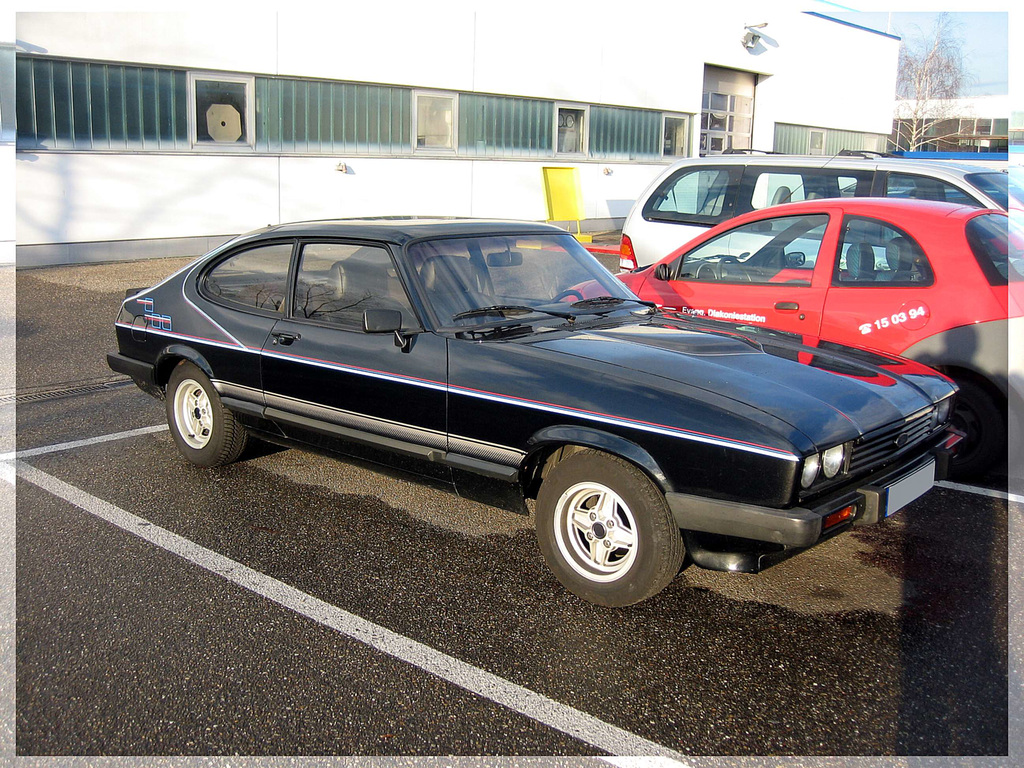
(563, 410)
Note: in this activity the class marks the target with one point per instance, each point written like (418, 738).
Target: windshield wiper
(510, 309)
(607, 301)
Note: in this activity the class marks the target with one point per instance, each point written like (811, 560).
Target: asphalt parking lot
(294, 605)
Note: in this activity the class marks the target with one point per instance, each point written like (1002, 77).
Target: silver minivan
(700, 192)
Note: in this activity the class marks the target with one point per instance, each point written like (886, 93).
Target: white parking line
(561, 717)
(979, 491)
(81, 443)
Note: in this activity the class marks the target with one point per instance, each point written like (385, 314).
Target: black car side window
(256, 278)
(337, 282)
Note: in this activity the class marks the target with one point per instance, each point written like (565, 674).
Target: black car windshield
(1000, 187)
(471, 279)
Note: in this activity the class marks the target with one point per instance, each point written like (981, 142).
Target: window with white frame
(570, 130)
(816, 141)
(435, 122)
(677, 136)
(221, 111)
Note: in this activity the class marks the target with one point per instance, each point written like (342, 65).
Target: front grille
(876, 448)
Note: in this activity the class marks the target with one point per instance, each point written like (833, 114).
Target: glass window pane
(42, 76)
(989, 238)
(80, 104)
(126, 110)
(255, 279)
(702, 192)
(150, 109)
(570, 130)
(337, 282)
(772, 188)
(782, 250)
(872, 251)
(220, 112)
(434, 122)
(676, 137)
(62, 118)
(925, 188)
(26, 110)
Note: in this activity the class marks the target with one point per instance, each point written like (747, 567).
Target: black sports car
(502, 359)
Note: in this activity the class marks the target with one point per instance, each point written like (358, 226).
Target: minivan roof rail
(862, 153)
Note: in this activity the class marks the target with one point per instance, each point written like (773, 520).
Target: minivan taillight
(627, 259)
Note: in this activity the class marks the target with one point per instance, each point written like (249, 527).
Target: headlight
(942, 410)
(811, 465)
(832, 460)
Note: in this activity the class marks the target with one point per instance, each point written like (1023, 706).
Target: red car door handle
(787, 306)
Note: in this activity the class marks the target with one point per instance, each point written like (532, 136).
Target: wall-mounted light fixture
(751, 37)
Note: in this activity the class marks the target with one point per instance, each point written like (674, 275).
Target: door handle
(787, 306)
(284, 338)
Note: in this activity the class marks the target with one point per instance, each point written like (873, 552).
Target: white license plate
(911, 487)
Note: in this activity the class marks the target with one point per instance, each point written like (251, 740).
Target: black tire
(980, 416)
(606, 531)
(205, 432)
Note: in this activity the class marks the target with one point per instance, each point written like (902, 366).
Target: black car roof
(401, 230)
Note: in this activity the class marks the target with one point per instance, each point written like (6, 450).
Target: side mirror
(386, 321)
(382, 320)
(663, 272)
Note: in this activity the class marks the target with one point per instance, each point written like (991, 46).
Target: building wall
(651, 58)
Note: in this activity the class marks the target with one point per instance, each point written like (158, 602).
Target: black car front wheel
(606, 531)
(204, 430)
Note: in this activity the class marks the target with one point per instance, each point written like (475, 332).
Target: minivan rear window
(696, 195)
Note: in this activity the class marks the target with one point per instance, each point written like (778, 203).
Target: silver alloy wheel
(596, 532)
(193, 414)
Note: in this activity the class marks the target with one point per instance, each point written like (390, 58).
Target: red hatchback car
(924, 280)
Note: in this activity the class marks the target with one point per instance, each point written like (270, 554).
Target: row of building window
(90, 105)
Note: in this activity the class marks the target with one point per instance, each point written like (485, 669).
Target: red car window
(874, 252)
(989, 239)
(779, 250)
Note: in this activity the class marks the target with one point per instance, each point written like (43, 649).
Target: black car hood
(833, 394)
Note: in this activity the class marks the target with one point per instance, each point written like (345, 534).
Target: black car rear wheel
(605, 530)
(204, 430)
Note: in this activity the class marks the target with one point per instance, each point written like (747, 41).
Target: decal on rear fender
(913, 316)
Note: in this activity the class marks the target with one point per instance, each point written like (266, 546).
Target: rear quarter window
(915, 187)
(256, 278)
(876, 254)
(989, 240)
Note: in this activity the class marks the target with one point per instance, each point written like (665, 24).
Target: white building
(145, 134)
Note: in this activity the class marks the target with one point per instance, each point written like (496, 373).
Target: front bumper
(802, 527)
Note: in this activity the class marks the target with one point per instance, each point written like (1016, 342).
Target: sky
(984, 38)
(984, 34)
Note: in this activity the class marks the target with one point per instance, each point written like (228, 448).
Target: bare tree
(930, 78)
